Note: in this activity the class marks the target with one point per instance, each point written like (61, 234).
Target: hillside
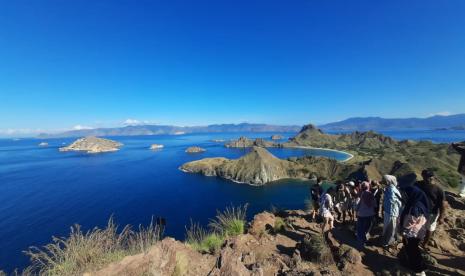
(377, 123)
(384, 153)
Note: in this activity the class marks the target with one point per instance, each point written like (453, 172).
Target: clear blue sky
(98, 63)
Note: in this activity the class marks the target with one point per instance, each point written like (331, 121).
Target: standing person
(413, 220)
(341, 200)
(391, 205)
(354, 198)
(437, 203)
(377, 193)
(315, 192)
(365, 213)
(326, 205)
(460, 148)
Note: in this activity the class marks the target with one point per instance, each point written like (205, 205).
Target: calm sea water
(43, 191)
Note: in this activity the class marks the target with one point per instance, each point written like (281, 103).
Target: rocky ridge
(93, 145)
(287, 243)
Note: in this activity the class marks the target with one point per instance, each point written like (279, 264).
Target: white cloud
(80, 127)
(20, 132)
(135, 122)
(442, 113)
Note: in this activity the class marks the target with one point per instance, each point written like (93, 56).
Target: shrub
(230, 222)
(91, 250)
(314, 248)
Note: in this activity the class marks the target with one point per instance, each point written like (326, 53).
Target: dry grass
(230, 222)
(91, 250)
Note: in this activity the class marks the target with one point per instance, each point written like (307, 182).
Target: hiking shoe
(420, 274)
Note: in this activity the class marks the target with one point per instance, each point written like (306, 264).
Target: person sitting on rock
(365, 213)
(413, 218)
(341, 199)
(392, 204)
(315, 193)
(460, 148)
(437, 202)
(326, 205)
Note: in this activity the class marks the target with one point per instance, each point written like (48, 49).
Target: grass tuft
(91, 250)
(203, 240)
(230, 222)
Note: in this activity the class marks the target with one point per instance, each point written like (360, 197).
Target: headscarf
(390, 179)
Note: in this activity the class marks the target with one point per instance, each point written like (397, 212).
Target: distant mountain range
(452, 122)
(172, 130)
(455, 122)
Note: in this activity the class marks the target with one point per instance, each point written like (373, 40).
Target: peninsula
(93, 145)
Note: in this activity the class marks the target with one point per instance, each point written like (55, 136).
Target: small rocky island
(43, 144)
(195, 150)
(244, 142)
(156, 146)
(276, 137)
(93, 145)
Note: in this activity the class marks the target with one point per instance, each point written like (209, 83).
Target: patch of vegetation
(91, 250)
(230, 222)
(203, 240)
(279, 225)
(181, 265)
(313, 248)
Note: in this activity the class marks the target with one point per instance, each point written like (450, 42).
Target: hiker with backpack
(413, 220)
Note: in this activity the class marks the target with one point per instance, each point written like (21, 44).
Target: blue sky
(99, 63)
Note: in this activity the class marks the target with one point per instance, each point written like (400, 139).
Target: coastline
(326, 149)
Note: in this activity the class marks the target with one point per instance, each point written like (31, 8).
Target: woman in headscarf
(413, 218)
(392, 204)
(326, 205)
(365, 213)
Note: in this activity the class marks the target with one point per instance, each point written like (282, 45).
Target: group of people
(412, 212)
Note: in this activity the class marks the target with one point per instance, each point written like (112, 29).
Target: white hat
(351, 183)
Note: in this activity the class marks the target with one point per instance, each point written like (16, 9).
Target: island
(93, 145)
(156, 146)
(373, 154)
(244, 142)
(276, 137)
(195, 149)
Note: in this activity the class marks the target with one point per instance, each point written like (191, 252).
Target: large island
(93, 145)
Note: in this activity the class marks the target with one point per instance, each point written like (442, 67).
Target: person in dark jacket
(460, 148)
(413, 218)
(316, 191)
(437, 203)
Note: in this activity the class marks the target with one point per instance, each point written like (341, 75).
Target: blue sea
(43, 191)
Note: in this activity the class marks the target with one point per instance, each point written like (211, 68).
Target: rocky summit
(288, 243)
(93, 145)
